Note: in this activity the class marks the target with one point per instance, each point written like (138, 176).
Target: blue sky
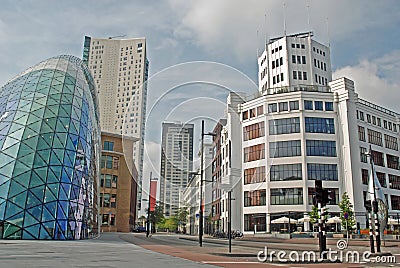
(364, 37)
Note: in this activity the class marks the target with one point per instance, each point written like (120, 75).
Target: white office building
(304, 127)
(120, 70)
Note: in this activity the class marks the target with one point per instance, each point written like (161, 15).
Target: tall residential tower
(120, 70)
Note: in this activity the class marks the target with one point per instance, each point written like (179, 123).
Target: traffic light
(318, 194)
(327, 197)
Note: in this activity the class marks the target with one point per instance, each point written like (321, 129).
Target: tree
(157, 216)
(181, 216)
(314, 217)
(347, 213)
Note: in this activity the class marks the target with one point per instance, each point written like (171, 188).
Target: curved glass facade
(49, 152)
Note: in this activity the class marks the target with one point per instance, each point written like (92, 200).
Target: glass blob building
(49, 152)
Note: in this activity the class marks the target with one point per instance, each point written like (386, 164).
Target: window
(108, 146)
(287, 196)
(319, 105)
(245, 115)
(294, 105)
(363, 155)
(283, 106)
(308, 105)
(303, 46)
(379, 122)
(255, 198)
(361, 116)
(285, 148)
(284, 126)
(113, 201)
(273, 64)
(395, 202)
(272, 108)
(303, 60)
(254, 175)
(104, 219)
(325, 172)
(293, 45)
(381, 178)
(321, 148)
(252, 112)
(106, 200)
(304, 75)
(319, 125)
(260, 110)
(364, 176)
(114, 181)
(391, 142)
(361, 133)
(368, 118)
(106, 161)
(299, 59)
(293, 58)
(295, 75)
(385, 124)
(281, 77)
(378, 159)
(107, 180)
(254, 153)
(299, 75)
(394, 181)
(392, 161)
(253, 131)
(328, 106)
(255, 222)
(286, 172)
(373, 120)
(374, 137)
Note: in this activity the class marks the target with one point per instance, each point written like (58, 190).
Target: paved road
(107, 251)
(215, 251)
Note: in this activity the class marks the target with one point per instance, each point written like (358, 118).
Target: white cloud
(376, 80)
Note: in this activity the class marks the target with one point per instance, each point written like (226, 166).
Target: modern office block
(49, 141)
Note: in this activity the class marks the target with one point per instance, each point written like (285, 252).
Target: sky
(199, 50)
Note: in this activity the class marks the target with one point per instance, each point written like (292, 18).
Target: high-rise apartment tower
(176, 163)
(120, 70)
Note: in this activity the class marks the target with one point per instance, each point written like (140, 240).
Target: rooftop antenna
(284, 18)
(265, 26)
(257, 46)
(308, 13)
(327, 30)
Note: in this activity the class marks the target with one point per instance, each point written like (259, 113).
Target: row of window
(319, 64)
(285, 196)
(298, 59)
(319, 51)
(289, 172)
(107, 219)
(277, 62)
(321, 80)
(110, 162)
(108, 181)
(292, 125)
(375, 137)
(252, 112)
(108, 200)
(377, 121)
(318, 105)
(392, 161)
(297, 75)
(298, 46)
(277, 78)
(382, 179)
(283, 106)
(288, 106)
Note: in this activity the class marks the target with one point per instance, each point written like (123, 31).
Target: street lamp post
(201, 182)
